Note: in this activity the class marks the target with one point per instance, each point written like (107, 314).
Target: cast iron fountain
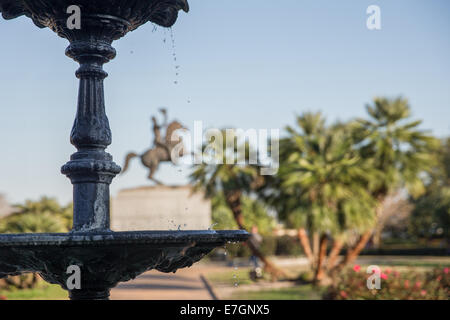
(104, 257)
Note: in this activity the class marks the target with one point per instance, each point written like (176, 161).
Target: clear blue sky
(247, 64)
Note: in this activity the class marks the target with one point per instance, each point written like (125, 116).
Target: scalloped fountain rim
(162, 238)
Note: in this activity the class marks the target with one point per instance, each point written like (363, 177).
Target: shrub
(395, 285)
(24, 281)
(271, 245)
(288, 246)
(241, 250)
(236, 250)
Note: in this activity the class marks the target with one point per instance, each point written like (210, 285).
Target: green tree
(393, 145)
(322, 187)
(43, 216)
(217, 176)
(431, 215)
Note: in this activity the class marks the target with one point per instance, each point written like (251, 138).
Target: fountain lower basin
(117, 256)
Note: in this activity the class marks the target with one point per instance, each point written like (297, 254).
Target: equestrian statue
(163, 149)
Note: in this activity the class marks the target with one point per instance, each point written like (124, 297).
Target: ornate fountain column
(91, 168)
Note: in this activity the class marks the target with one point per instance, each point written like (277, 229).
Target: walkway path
(186, 284)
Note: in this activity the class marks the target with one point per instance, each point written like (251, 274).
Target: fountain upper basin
(52, 13)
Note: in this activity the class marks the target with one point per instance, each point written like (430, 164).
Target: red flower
(439, 278)
(357, 268)
(446, 270)
(406, 284)
(383, 276)
(344, 294)
(418, 284)
(388, 270)
(3, 298)
(423, 293)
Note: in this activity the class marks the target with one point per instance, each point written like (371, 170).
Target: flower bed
(394, 285)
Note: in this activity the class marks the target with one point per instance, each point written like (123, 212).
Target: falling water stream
(174, 55)
(235, 274)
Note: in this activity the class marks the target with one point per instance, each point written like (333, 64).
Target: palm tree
(43, 216)
(321, 187)
(397, 149)
(32, 223)
(431, 214)
(217, 177)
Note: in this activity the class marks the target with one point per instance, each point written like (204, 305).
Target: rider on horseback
(162, 148)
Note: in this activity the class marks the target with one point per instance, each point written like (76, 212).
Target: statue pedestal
(160, 208)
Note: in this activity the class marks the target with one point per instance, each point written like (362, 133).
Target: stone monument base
(160, 208)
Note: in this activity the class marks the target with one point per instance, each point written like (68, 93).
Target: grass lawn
(301, 292)
(241, 276)
(42, 292)
(231, 277)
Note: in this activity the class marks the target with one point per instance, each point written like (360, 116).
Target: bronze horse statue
(163, 149)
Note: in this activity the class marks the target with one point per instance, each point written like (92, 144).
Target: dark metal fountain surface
(104, 257)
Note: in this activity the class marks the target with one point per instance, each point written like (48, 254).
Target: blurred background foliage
(45, 215)
(41, 216)
(254, 211)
